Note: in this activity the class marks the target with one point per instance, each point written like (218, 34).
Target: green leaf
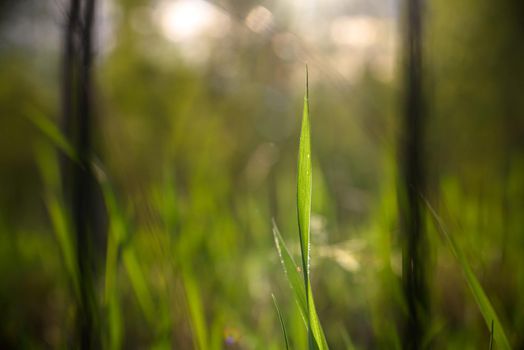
(483, 303)
(284, 332)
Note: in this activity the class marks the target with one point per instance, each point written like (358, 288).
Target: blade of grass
(304, 189)
(48, 165)
(483, 303)
(293, 274)
(139, 283)
(115, 324)
(115, 238)
(282, 325)
(304, 180)
(61, 225)
(119, 232)
(302, 286)
(49, 129)
(198, 324)
(116, 235)
(314, 322)
(65, 241)
(348, 345)
(116, 232)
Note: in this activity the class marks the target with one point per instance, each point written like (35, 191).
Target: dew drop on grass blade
(304, 187)
(302, 286)
(292, 272)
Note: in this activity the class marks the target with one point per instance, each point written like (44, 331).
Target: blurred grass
(483, 303)
(197, 160)
(157, 247)
(163, 229)
(281, 320)
(49, 169)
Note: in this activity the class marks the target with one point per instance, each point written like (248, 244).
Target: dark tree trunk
(414, 249)
(77, 176)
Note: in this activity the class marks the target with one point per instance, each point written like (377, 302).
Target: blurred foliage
(196, 156)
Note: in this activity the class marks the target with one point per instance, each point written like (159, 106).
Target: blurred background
(195, 116)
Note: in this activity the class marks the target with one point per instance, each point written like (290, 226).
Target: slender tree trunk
(77, 177)
(414, 250)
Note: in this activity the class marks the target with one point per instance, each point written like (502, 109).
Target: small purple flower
(230, 340)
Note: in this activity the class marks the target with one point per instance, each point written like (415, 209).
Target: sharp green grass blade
(296, 281)
(304, 179)
(292, 271)
(302, 286)
(314, 323)
(282, 325)
(483, 303)
(304, 189)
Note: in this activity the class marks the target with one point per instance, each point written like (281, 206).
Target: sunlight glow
(184, 20)
(356, 31)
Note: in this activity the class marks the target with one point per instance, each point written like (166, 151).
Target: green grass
(196, 311)
(118, 233)
(198, 232)
(48, 165)
(281, 320)
(49, 129)
(489, 314)
(302, 288)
